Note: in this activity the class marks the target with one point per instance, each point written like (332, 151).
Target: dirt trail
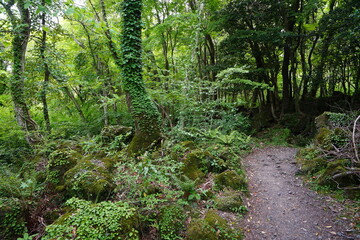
(281, 208)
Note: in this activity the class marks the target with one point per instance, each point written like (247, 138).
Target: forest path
(280, 207)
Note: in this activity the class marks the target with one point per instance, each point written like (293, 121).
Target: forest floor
(281, 207)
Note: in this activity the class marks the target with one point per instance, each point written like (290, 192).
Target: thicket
(216, 71)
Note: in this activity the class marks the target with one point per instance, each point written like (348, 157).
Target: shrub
(88, 221)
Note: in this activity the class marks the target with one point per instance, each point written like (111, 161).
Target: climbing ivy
(144, 112)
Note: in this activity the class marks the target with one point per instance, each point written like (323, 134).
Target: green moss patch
(230, 179)
(91, 178)
(212, 227)
(229, 201)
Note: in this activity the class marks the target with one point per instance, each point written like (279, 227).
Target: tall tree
(144, 112)
(21, 25)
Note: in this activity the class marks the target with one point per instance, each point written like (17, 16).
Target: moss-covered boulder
(323, 138)
(230, 179)
(171, 222)
(322, 121)
(60, 161)
(109, 133)
(91, 177)
(193, 162)
(212, 227)
(336, 167)
(310, 160)
(329, 139)
(229, 201)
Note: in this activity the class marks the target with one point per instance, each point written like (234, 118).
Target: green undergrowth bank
(90, 188)
(329, 162)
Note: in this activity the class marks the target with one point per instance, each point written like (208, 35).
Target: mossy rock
(142, 141)
(332, 168)
(229, 201)
(230, 179)
(60, 161)
(192, 164)
(171, 222)
(109, 133)
(212, 227)
(322, 121)
(336, 167)
(310, 160)
(188, 145)
(91, 178)
(323, 138)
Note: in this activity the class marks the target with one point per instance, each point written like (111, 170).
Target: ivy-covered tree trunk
(21, 31)
(144, 112)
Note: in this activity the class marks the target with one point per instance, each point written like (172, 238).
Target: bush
(88, 221)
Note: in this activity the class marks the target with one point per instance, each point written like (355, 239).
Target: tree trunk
(21, 28)
(144, 112)
(46, 76)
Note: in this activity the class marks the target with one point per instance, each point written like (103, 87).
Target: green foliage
(18, 183)
(148, 182)
(86, 221)
(12, 221)
(13, 147)
(188, 186)
(231, 76)
(172, 219)
(233, 138)
(276, 136)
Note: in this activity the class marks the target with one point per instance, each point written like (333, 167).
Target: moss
(109, 133)
(192, 164)
(322, 121)
(214, 220)
(323, 138)
(229, 201)
(332, 168)
(212, 227)
(188, 145)
(230, 179)
(60, 161)
(310, 160)
(91, 178)
(141, 141)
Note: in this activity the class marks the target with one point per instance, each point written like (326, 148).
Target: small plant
(188, 186)
(26, 236)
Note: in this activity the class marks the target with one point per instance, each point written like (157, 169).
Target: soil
(282, 208)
